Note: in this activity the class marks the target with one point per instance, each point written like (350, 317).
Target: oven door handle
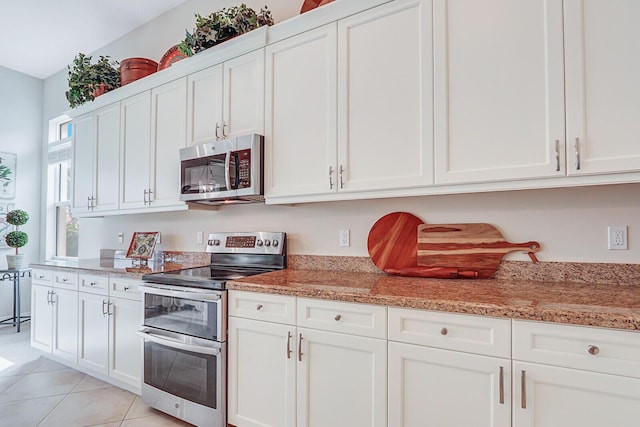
(173, 343)
(171, 292)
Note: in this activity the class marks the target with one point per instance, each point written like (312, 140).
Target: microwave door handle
(227, 172)
(145, 334)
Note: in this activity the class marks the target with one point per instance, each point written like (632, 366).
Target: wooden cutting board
(470, 247)
(392, 241)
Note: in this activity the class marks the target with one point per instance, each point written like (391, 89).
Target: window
(62, 227)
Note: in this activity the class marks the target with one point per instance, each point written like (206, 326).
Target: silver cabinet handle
(330, 177)
(109, 311)
(444, 331)
(224, 125)
(49, 297)
(93, 204)
(341, 173)
(300, 348)
(145, 197)
(217, 127)
(501, 385)
(338, 317)
(88, 203)
(105, 312)
(259, 307)
(577, 145)
(523, 389)
(288, 345)
(593, 350)
(149, 193)
(557, 155)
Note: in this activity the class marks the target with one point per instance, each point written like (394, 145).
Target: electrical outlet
(199, 237)
(344, 238)
(618, 237)
(120, 237)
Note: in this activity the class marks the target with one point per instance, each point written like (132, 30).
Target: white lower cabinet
(93, 333)
(566, 376)
(306, 377)
(54, 324)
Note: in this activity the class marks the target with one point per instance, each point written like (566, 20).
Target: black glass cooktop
(211, 277)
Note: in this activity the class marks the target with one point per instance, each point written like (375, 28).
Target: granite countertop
(611, 306)
(120, 267)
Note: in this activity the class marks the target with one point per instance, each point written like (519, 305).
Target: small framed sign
(142, 244)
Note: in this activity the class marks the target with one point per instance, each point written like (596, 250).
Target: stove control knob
(267, 242)
(259, 243)
(275, 243)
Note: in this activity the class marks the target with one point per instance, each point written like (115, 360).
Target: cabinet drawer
(267, 307)
(42, 277)
(349, 318)
(580, 347)
(125, 288)
(460, 332)
(93, 284)
(65, 280)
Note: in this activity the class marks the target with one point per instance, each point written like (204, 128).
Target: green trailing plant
(16, 238)
(85, 78)
(222, 25)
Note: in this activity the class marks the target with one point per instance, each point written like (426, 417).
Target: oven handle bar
(173, 343)
(175, 291)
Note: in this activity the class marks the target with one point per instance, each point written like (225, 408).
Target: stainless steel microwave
(224, 171)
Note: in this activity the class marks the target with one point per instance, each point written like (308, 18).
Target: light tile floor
(36, 391)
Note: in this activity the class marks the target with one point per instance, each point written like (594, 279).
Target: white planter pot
(15, 262)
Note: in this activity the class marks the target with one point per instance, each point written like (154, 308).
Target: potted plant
(223, 25)
(87, 80)
(16, 238)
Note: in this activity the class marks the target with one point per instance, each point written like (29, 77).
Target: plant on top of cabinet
(223, 25)
(87, 80)
(16, 238)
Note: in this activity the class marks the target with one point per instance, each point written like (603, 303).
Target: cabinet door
(65, 324)
(204, 106)
(135, 149)
(342, 380)
(84, 145)
(300, 118)
(93, 332)
(243, 111)
(168, 133)
(385, 97)
(561, 397)
(262, 374)
(41, 316)
(603, 85)
(435, 387)
(125, 347)
(499, 90)
(107, 176)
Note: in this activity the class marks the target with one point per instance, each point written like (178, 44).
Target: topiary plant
(17, 239)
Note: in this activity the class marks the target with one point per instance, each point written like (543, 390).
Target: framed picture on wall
(5, 227)
(8, 175)
(142, 244)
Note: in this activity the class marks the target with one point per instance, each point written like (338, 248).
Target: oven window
(204, 175)
(181, 315)
(191, 376)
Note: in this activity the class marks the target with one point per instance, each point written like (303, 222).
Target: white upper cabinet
(603, 86)
(153, 130)
(385, 114)
(348, 107)
(300, 118)
(499, 90)
(227, 99)
(96, 161)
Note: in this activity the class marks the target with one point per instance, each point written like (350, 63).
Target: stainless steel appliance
(185, 326)
(224, 171)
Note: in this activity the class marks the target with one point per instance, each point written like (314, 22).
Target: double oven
(185, 326)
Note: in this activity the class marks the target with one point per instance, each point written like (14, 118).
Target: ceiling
(41, 37)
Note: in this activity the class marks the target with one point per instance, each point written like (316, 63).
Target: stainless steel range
(185, 326)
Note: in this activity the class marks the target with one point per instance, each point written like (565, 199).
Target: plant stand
(15, 276)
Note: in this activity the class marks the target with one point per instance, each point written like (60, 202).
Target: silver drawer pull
(593, 349)
(126, 288)
(338, 317)
(259, 307)
(92, 283)
(65, 279)
(444, 331)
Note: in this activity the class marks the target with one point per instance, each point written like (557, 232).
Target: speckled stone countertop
(602, 305)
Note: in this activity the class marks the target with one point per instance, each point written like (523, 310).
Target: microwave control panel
(244, 168)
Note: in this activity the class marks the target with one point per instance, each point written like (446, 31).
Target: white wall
(20, 133)
(569, 223)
